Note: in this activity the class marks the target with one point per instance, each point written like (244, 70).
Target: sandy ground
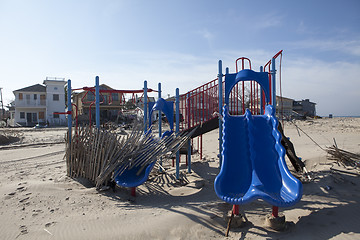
(38, 200)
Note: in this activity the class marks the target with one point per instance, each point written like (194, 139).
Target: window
(35, 96)
(55, 88)
(21, 97)
(42, 115)
(104, 99)
(56, 115)
(34, 117)
(55, 97)
(115, 96)
(90, 96)
(22, 115)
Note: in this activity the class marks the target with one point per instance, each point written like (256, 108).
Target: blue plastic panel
(167, 107)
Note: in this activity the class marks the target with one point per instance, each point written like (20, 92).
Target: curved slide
(131, 177)
(253, 158)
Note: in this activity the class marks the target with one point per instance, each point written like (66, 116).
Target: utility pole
(2, 104)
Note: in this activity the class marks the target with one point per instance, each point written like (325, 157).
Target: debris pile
(96, 154)
(346, 158)
(7, 137)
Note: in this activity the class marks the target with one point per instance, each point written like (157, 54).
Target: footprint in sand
(22, 188)
(23, 230)
(50, 224)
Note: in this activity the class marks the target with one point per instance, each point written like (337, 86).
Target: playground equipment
(253, 157)
(246, 94)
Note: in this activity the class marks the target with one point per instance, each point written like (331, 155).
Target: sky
(179, 43)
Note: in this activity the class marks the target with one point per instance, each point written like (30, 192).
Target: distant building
(110, 104)
(139, 102)
(40, 103)
(113, 104)
(305, 108)
(284, 106)
(287, 107)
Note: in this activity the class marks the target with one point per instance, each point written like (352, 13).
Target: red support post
(236, 209)
(251, 97)
(237, 99)
(243, 98)
(275, 211)
(203, 106)
(133, 191)
(201, 148)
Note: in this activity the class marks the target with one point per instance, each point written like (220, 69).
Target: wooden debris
(100, 155)
(229, 224)
(346, 158)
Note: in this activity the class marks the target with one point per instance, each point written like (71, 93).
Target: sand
(38, 200)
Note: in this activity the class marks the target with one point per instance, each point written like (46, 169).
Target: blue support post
(97, 103)
(273, 83)
(160, 115)
(189, 141)
(177, 128)
(220, 75)
(69, 115)
(145, 106)
(189, 156)
(261, 95)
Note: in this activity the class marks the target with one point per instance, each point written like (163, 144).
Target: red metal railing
(199, 105)
(267, 68)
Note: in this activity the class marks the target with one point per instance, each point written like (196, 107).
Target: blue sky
(179, 43)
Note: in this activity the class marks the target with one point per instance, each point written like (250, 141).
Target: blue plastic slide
(253, 158)
(130, 178)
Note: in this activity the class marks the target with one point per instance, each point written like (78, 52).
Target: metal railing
(202, 103)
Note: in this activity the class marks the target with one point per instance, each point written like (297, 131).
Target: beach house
(40, 103)
(305, 108)
(284, 106)
(110, 104)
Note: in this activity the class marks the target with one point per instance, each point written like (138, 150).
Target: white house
(40, 103)
(284, 106)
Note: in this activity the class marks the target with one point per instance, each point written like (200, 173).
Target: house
(110, 104)
(139, 102)
(40, 103)
(305, 108)
(284, 106)
(114, 105)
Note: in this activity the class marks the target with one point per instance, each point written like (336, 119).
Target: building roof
(284, 98)
(33, 88)
(46, 82)
(305, 101)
